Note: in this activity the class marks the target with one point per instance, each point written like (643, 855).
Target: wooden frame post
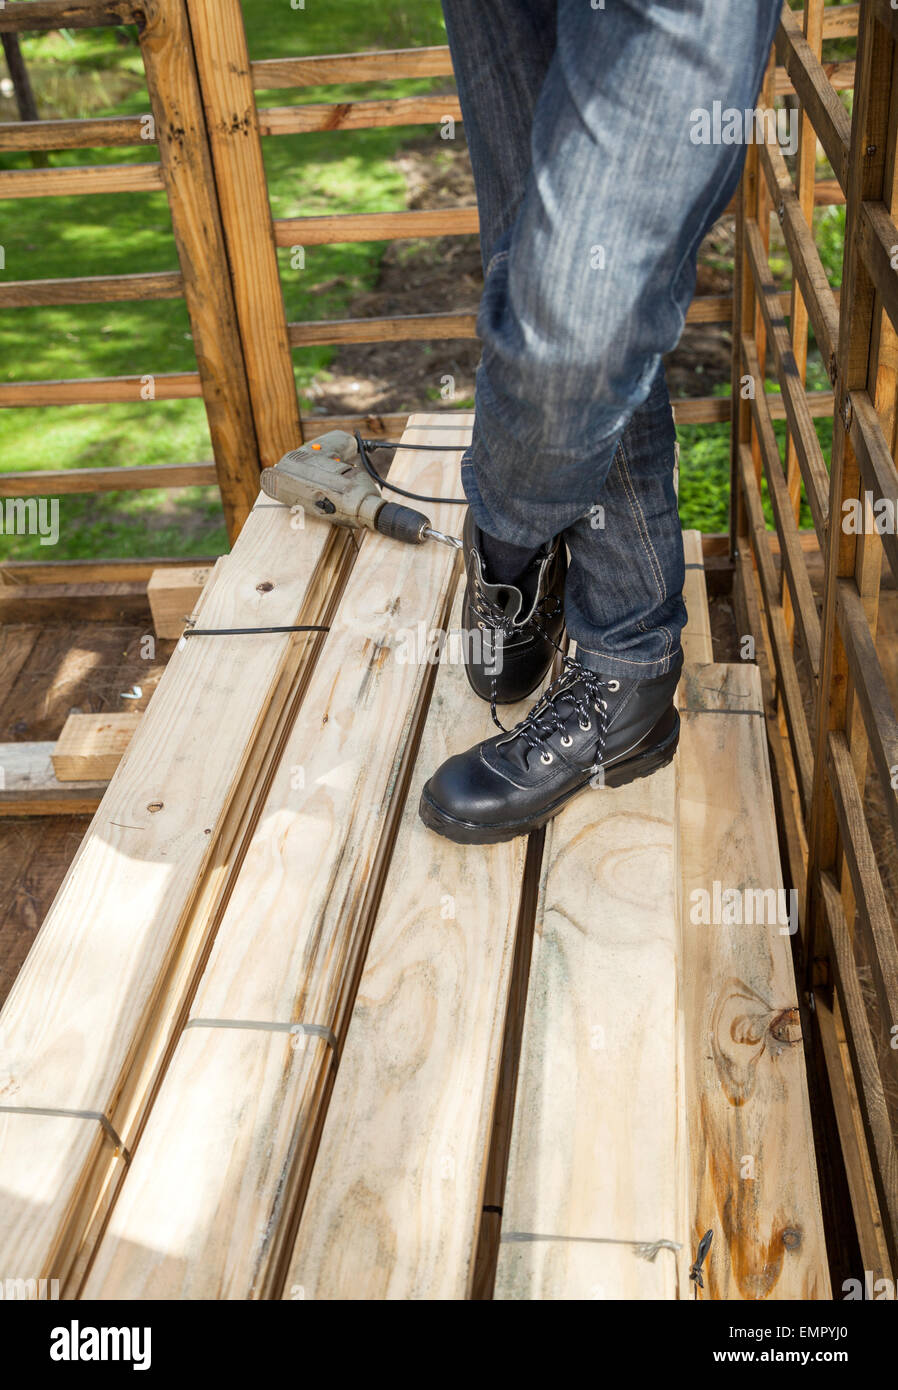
(168, 56)
(227, 88)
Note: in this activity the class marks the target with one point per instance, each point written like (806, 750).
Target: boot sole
(468, 833)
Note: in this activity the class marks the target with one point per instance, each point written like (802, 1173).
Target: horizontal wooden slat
(91, 746)
(821, 103)
(91, 289)
(73, 134)
(66, 181)
(29, 786)
(35, 572)
(325, 69)
(67, 14)
(694, 410)
(73, 601)
(840, 74)
(397, 328)
(374, 226)
(51, 482)
(170, 386)
(356, 115)
(91, 571)
(841, 21)
(704, 309)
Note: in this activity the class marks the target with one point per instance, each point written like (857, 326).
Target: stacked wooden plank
(90, 1022)
(292, 1059)
(221, 1169)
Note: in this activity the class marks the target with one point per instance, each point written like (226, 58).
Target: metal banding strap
(246, 631)
(97, 1115)
(644, 1249)
(314, 1030)
(700, 709)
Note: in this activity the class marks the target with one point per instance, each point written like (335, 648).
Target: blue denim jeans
(594, 197)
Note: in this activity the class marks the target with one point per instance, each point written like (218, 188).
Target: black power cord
(388, 444)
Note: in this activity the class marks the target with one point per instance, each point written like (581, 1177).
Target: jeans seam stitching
(643, 532)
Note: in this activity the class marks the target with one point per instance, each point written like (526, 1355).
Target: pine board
(91, 746)
(394, 1204)
(697, 644)
(173, 592)
(291, 943)
(87, 996)
(597, 1150)
(29, 785)
(753, 1176)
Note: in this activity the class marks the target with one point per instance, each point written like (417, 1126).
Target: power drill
(327, 478)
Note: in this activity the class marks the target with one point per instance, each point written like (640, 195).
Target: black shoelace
(582, 687)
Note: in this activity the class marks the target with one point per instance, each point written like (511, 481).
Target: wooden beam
(103, 390)
(34, 572)
(92, 289)
(697, 645)
(163, 849)
(168, 55)
(597, 1160)
(829, 117)
(224, 1161)
(357, 115)
(373, 226)
(223, 68)
(29, 785)
(751, 1147)
(173, 593)
(52, 482)
(66, 181)
(91, 746)
(393, 1208)
(326, 69)
(68, 14)
(103, 131)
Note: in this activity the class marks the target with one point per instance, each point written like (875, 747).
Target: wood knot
(265, 587)
(155, 806)
(786, 1027)
(791, 1239)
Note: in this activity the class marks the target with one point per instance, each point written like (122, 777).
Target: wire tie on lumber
(700, 709)
(695, 1271)
(244, 631)
(643, 1249)
(314, 1030)
(71, 1115)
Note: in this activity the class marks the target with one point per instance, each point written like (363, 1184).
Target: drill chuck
(401, 523)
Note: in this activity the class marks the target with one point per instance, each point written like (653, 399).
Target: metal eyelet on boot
(546, 758)
(614, 685)
(566, 740)
(585, 727)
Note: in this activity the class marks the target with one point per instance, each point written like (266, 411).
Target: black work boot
(585, 731)
(520, 624)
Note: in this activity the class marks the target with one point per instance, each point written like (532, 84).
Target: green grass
(100, 73)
